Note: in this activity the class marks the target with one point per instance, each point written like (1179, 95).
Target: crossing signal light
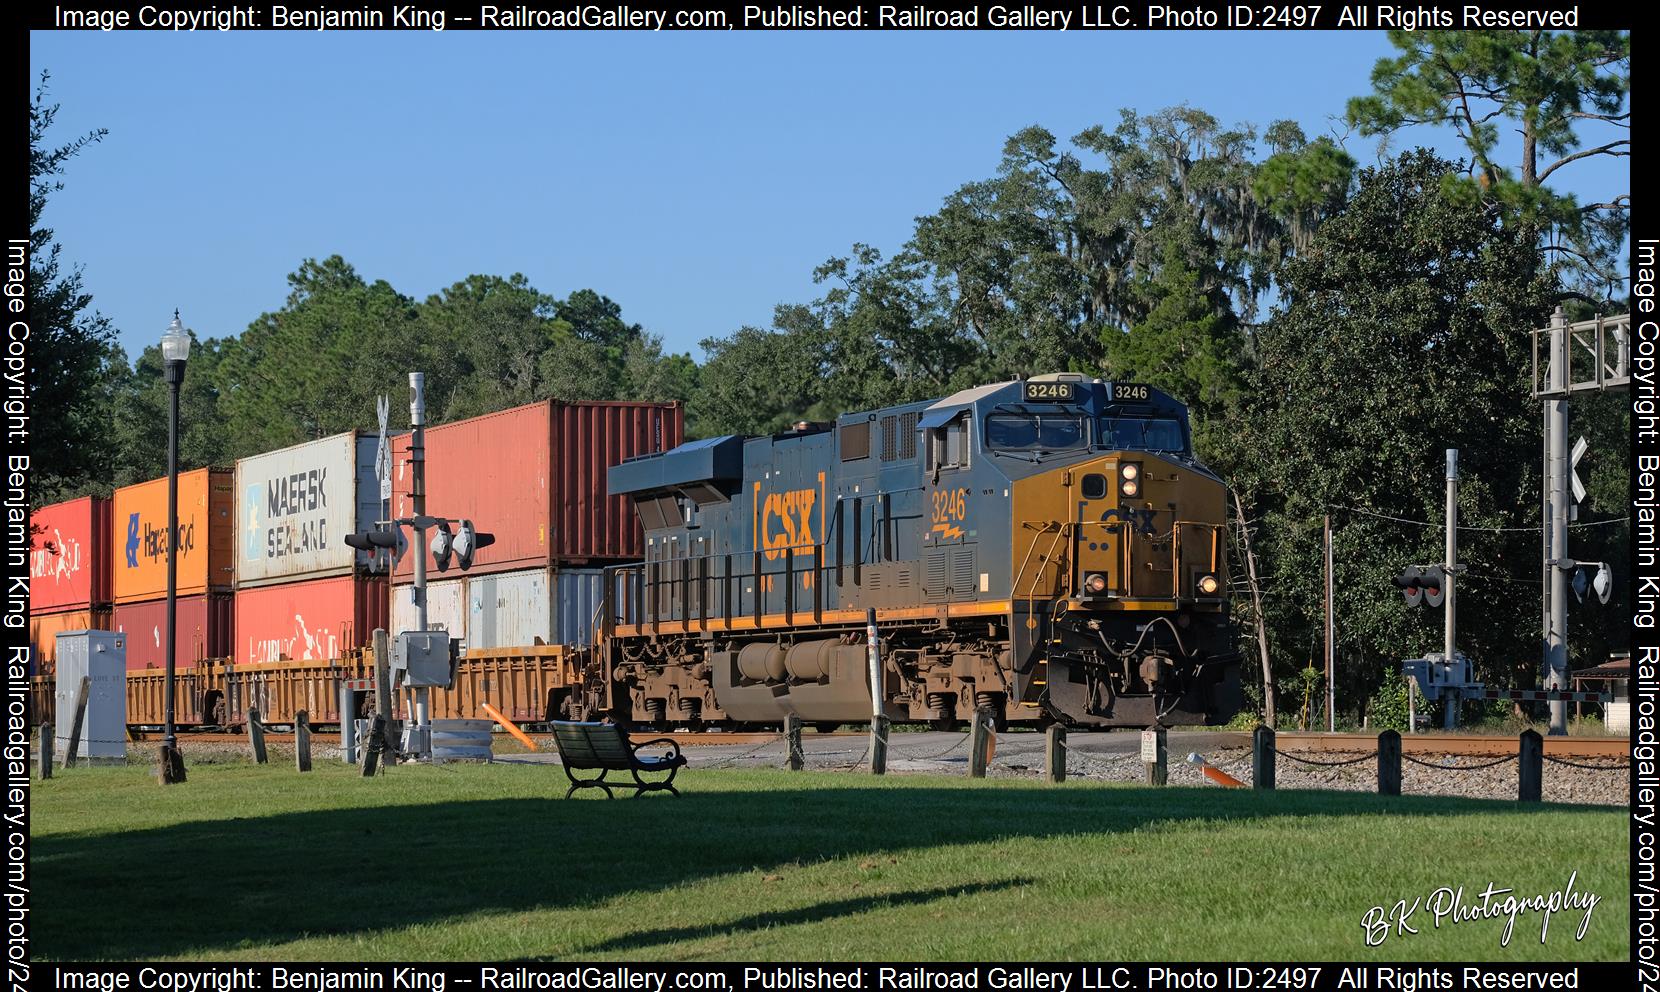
(1602, 583)
(1422, 586)
(443, 544)
(468, 542)
(370, 540)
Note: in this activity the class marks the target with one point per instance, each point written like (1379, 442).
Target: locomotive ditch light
(1095, 584)
(1208, 585)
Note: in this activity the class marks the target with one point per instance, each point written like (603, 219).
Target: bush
(1389, 708)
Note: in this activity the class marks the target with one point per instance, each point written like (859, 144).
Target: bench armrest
(674, 755)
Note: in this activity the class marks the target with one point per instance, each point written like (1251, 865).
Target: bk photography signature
(1450, 906)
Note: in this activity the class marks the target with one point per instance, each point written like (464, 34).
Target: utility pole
(1450, 583)
(1331, 640)
(418, 497)
(1556, 497)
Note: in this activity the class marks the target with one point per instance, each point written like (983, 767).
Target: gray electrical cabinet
(101, 656)
(423, 658)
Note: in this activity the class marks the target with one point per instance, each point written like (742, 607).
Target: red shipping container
(534, 476)
(203, 631)
(318, 620)
(69, 555)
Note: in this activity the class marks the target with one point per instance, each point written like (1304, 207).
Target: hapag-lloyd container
(203, 630)
(206, 536)
(294, 508)
(45, 627)
(509, 609)
(534, 476)
(315, 620)
(69, 556)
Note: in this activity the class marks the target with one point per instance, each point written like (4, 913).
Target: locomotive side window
(948, 445)
(1095, 486)
(1142, 433)
(1047, 432)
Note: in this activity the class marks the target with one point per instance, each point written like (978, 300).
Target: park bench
(603, 747)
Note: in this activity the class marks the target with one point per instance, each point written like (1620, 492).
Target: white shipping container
(446, 607)
(294, 508)
(511, 609)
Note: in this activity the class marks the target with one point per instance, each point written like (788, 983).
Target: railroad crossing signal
(1573, 466)
(1602, 583)
(1422, 585)
(461, 544)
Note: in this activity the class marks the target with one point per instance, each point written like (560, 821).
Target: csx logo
(786, 521)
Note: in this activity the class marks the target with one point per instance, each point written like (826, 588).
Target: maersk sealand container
(294, 508)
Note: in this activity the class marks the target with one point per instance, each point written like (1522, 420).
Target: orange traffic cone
(1213, 773)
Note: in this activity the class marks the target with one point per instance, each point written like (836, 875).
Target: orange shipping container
(207, 536)
(44, 628)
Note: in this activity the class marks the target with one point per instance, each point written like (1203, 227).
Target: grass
(473, 862)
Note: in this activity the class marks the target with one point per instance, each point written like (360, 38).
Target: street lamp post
(175, 350)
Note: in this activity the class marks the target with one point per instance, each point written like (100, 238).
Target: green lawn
(478, 862)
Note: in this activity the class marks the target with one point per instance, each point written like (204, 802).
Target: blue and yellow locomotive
(1048, 548)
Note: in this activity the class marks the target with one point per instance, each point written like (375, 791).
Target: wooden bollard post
(74, 749)
(1530, 774)
(1262, 758)
(796, 760)
(302, 741)
(1054, 752)
(879, 727)
(46, 742)
(1389, 763)
(979, 743)
(256, 735)
(374, 744)
(383, 689)
(1155, 754)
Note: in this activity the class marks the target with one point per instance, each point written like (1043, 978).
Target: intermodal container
(203, 630)
(294, 508)
(534, 477)
(446, 607)
(206, 537)
(44, 628)
(510, 609)
(69, 556)
(315, 620)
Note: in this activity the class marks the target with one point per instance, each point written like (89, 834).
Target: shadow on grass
(643, 939)
(236, 882)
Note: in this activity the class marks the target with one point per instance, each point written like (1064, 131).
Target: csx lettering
(787, 521)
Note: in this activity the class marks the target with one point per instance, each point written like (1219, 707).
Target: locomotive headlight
(1208, 585)
(1095, 584)
(1130, 487)
(1130, 471)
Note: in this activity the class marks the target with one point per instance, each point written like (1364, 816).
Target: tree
(1548, 85)
(1404, 332)
(73, 356)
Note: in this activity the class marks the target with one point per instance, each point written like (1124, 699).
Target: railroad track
(1473, 744)
(683, 738)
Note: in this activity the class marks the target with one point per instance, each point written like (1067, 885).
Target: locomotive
(1048, 548)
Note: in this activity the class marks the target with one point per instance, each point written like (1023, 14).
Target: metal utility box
(101, 656)
(423, 658)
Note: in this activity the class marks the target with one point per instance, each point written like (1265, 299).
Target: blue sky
(696, 179)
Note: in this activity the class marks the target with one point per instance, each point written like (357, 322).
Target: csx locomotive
(1048, 548)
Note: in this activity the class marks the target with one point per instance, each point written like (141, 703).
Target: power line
(1488, 530)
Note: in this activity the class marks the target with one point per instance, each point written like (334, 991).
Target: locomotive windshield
(1142, 433)
(1035, 432)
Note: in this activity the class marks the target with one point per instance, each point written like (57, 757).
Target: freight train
(1048, 548)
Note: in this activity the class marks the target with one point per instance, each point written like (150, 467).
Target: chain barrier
(1458, 768)
(1326, 764)
(1621, 767)
(757, 749)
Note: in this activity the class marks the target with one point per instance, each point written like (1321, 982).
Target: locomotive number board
(1050, 392)
(1130, 392)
